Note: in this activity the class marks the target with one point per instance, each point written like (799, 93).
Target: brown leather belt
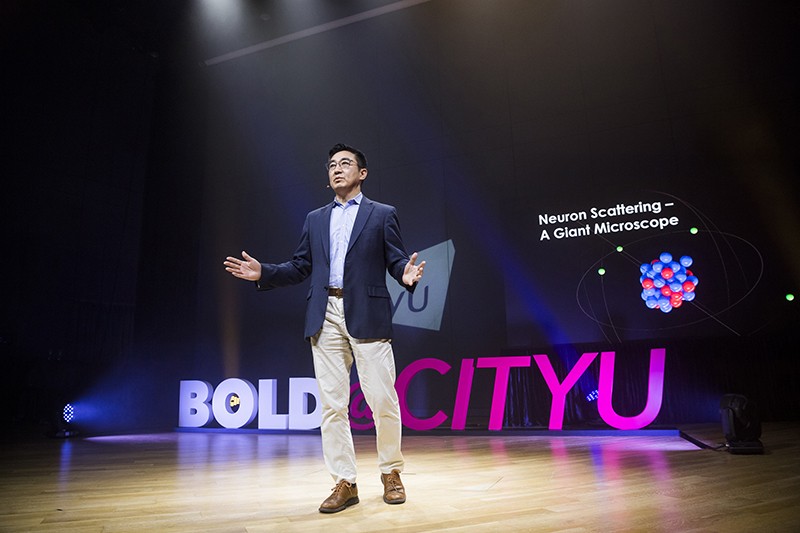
(335, 291)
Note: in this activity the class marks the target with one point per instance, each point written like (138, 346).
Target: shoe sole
(348, 503)
(394, 502)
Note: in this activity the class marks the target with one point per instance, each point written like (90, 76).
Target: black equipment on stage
(740, 424)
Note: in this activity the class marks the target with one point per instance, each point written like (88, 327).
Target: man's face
(344, 175)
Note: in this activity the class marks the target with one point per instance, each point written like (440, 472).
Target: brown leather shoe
(393, 490)
(344, 495)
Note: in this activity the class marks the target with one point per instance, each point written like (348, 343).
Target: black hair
(360, 157)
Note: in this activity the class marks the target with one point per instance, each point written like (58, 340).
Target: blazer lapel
(364, 210)
(325, 232)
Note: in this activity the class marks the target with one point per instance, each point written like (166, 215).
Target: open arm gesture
(413, 272)
(249, 268)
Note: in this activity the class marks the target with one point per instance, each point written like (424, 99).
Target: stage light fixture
(592, 396)
(740, 425)
(68, 413)
(66, 422)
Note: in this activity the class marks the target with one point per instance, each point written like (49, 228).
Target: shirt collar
(356, 200)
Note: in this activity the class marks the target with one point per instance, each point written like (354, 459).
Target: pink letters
(462, 395)
(655, 392)
(403, 380)
(503, 366)
(559, 390)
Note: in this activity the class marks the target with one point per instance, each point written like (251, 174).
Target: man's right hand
(249, 268)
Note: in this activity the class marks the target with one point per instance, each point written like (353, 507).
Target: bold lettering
(462, 395)
(268, 417)
(544, 235)
(503, 366)
(194, 410)
(404, 379)
(299, 391)
(248, 401)
(560, 390)
(655, 392)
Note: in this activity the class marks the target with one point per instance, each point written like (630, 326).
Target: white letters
(246, 398)
(236, 402)
(268, 417)
(299, 391)
(194, 410)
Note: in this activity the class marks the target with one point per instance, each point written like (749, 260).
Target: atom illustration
(666, 284)
(732, 267)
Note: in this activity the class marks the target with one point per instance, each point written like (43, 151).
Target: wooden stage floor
(210, 482)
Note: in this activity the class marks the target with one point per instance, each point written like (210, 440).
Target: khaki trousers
(334, 350)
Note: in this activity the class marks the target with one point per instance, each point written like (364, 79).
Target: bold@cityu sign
(235, 402)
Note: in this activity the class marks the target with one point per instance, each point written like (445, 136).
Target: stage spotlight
(740, 425)
(67, 419)
(68, 413)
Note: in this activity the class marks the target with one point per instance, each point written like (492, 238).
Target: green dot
(790, 297)
(601, 271)
(619, 248)
(693, 231)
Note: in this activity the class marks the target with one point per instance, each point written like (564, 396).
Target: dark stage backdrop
(544, 141)
(540, 152)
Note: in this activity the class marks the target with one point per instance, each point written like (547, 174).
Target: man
(346, 248)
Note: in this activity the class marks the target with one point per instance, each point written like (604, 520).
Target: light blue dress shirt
(343, 217)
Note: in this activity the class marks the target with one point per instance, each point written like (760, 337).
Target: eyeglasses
(344, 163)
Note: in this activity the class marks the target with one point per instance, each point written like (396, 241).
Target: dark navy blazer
(375, 248)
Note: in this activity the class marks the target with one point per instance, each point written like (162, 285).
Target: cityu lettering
(235, 403)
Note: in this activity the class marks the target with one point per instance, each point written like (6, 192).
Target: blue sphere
(658, 266)
(688, 296)
(665, 257)
(686, 261)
